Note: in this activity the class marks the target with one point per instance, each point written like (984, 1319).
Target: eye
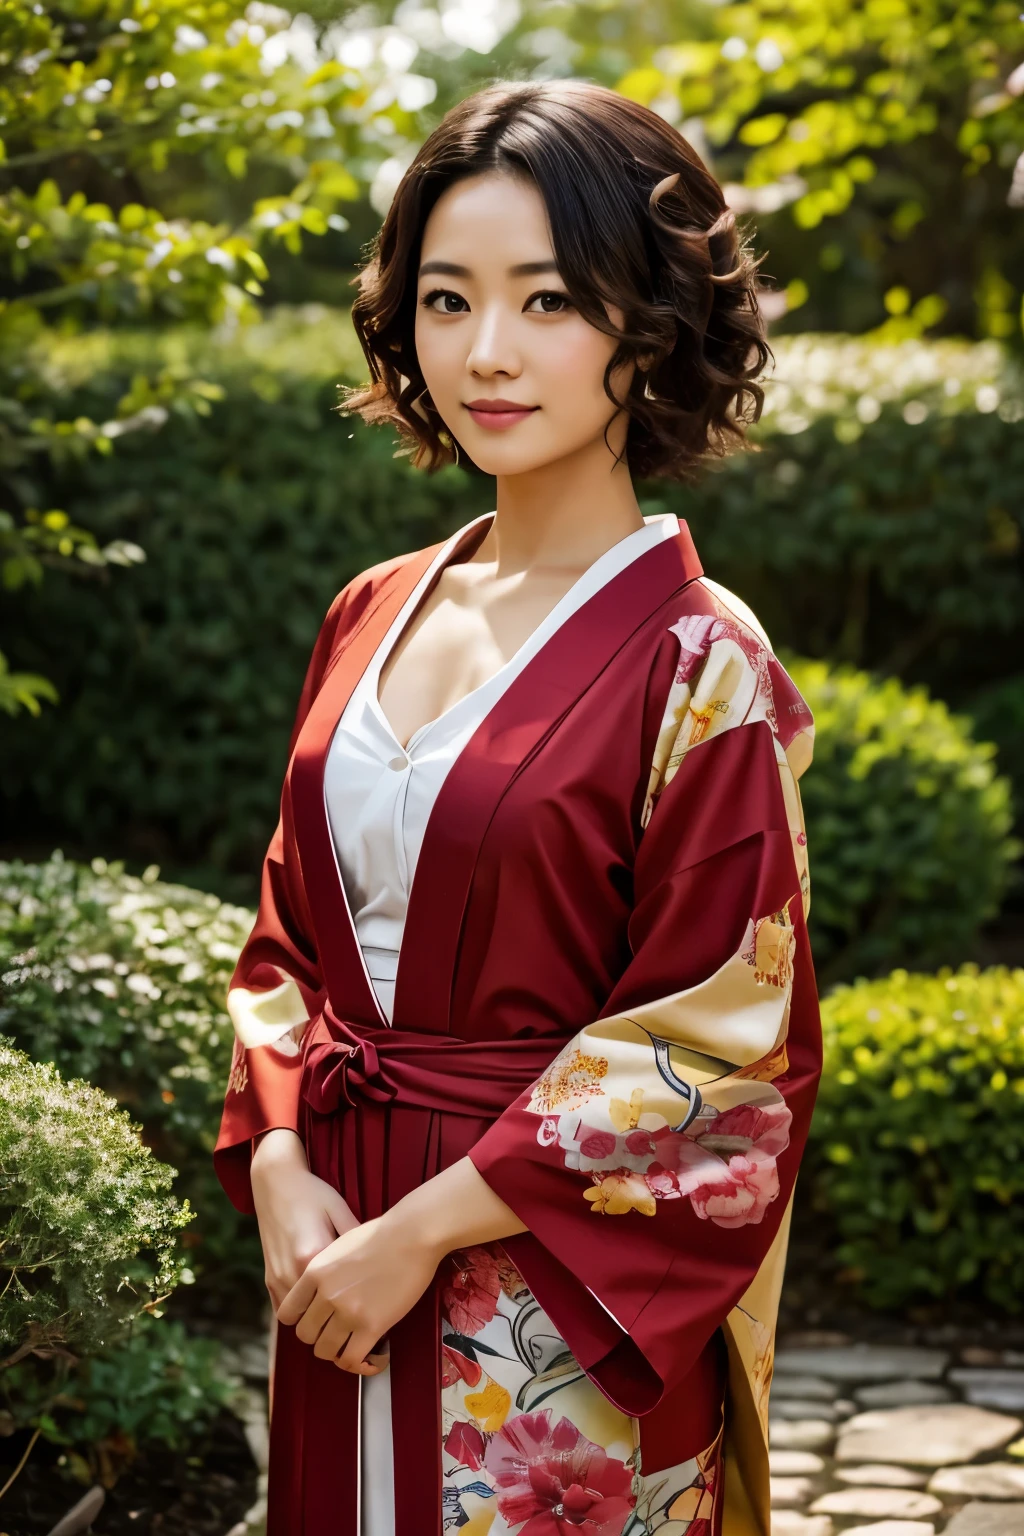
(550, 302)
(444, 302)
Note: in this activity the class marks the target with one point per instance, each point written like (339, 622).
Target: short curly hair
(637, 222)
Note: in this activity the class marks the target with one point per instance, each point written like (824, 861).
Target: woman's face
(515, 372)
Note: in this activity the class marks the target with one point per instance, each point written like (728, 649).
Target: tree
(154, 154)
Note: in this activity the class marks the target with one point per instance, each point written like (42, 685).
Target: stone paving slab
(990, 1480)
(795, 1463)
(791, 1492)
(902, 1394)
(804, 1408)
(991, 1388)
(879, 1474)
(936, 1436)
(813, 1388)
(863, 1362)
(802, 1434)
(878, 1503)
(786, 1522)
(987, 1520)
(892, 1528)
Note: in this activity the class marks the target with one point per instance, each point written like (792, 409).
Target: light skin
(494, 324)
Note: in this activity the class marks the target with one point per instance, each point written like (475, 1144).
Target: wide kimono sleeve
(277, 986)
(653, 1163)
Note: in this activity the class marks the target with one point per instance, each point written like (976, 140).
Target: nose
(494, 349)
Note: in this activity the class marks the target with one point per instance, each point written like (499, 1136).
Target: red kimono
(605, 997)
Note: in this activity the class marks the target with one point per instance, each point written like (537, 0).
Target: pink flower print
(662, 1182)
(465, 1444)
(556, 1480)
(728, 1166)
(470, 1298)
(455, 1366)
(762, 1128)
(741, 1194)
(640, 1144)
(597, 1144)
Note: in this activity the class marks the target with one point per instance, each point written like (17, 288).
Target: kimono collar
(538, 698)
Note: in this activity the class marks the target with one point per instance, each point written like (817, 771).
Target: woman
(527, 1029)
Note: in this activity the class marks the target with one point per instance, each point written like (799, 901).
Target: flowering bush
(917, 1144)
(122, 980)
(88, 1221)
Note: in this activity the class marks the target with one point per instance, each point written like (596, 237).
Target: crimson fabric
(538, 905)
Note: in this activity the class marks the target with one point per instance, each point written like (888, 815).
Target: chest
(461, 635)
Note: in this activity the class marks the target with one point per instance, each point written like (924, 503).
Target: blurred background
(186, 191)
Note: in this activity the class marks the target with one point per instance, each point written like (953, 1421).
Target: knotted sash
(384, 1110)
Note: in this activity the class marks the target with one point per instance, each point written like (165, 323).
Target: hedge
(123, 980)
(900, 551)
(907, 825)
(917, 1144)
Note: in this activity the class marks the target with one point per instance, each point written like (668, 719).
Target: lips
(496, 415)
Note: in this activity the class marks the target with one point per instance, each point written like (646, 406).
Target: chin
(510, 458)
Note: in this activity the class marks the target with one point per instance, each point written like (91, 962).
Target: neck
(563, 515)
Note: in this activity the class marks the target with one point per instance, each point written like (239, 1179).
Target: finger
(377, 1363)
(353, 1356)
(333, 1339)
(313, 1321)
(338, 1210)
(298, 1298)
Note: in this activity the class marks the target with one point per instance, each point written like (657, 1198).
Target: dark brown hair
(637, 221)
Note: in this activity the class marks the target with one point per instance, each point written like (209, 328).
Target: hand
(358, 1288)
(298, 1213)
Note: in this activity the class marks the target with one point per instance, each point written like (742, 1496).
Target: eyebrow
(452, 269)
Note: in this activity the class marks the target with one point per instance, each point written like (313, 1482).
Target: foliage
(253, 522)
(916, 1148)
(158, 1385)
(906, 821)
(88, 1222)
(881, 521)
(152, 156)
(122, 980)
(848, 130)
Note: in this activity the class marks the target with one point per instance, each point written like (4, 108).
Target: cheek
(574, 361)
(441, 354)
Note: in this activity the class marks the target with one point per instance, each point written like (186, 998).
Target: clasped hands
(345, 1284)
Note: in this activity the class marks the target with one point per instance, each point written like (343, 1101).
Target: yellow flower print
(572, 1079)
(774, 942)
(626, 1117)
(490, 1407)
(619, 1192)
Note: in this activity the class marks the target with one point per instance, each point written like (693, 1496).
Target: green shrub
(881, 521)
(159, 1385)
(917, 1145)
(907, 825)
(900, 552)
(88, 1221)
(122, 980)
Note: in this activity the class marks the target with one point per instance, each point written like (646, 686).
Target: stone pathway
(872, 1439)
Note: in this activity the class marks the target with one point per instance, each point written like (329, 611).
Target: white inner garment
(379, 796)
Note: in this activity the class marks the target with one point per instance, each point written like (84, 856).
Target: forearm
(455, 1209)
(279, 1148)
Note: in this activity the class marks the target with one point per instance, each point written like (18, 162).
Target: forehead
(488, 219)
